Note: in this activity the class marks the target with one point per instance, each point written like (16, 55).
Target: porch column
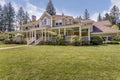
(80, 32)
(48, 36)
(35, 36)
(89, 34)
(42, 33)
(64, 31)
(45, 34)
(27, 36)
(30, 34)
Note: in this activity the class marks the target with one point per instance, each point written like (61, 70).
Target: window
(46, 21)
(68, 21)
(58, 22)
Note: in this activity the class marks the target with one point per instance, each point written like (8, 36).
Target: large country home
(47, 26)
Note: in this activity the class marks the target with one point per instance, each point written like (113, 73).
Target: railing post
(80, 32)
(42, 33)
(89, 34)
(64, 31)
(35, 36)
(45, 35)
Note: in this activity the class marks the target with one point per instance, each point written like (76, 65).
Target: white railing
(85, 38)
(31, 40)
(38, 41)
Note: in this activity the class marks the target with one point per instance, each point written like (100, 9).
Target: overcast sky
(68, 7)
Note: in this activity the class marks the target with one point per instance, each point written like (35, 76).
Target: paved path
(13, 47)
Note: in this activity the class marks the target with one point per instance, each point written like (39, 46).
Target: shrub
(3, 36)
(112, 42)
(8, 41)
(86, 43)
(96, 40)
(76, 41)
(115, 38)
(60, 40)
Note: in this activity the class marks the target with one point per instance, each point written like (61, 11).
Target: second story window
(45, 21)
(59, 23)
(68, 21)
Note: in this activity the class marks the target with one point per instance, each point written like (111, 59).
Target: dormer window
(59, 23)
(46, 21)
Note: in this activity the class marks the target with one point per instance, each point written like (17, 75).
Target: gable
(45, 15)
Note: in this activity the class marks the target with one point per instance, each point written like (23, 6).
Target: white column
(51, 22)
(64, 31)
(48, 36)
(35, 35)
(30, 34)
(27, 37)
(42, 33)
(80, 32)
(89, 34)
(45, 34)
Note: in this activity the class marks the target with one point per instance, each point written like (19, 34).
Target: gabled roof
(87, 21)
(62, 16)
(103, 27)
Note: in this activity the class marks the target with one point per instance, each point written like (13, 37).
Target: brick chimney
(33, 18)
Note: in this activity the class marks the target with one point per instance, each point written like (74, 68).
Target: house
(41, 29)
(48, 27)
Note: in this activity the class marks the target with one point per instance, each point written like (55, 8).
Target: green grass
(61, 63)
(8, 45)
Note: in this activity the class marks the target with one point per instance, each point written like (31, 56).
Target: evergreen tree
(5, 19)
(86, 15)
(20, 16)
(80, 17)
(1, 19)
(99, 17)
(26, 18)
(11, 17)
(107, 17)
(114, 13)
(50, 8)
(8, 17)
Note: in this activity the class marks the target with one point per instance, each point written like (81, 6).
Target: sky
(68, 7)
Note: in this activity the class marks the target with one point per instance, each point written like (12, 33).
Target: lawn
(8, 45)
(61, 63)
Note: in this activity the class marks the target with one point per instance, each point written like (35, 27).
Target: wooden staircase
(34, 41)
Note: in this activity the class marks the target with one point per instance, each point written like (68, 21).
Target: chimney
(33, 18)
(62, 14)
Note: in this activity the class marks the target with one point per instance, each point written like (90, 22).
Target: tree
(20, 16)
(11, 17)
(80, 17)
(107, 17)
(5, 13)
(86, 15)
(114, 13)
(26, 18)
(8, 17)
(99, 17)
(50, 8)
(1, 19)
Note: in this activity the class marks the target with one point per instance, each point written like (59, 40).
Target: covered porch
(37, 35)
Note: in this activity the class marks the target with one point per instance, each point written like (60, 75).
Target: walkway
(13, 47)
